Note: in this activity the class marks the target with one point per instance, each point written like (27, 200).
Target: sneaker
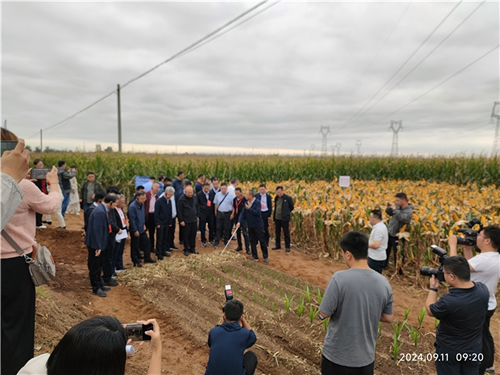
(287, 250)
(99, 293)
(105, 289)
(41, 226)
(118, 271)
(266, 261)
(111, 282)
(77, 213)
(254, 259)
(186, 253)
(174, 248)
(47, 222)
(204, 244)
(490, 371)
(249, 252)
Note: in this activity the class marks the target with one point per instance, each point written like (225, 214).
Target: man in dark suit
(137, 224)
(98, 197)
(149, 212)
(199, 183)
(266, 207)
(98, 232)
(252, 214)
(238, 206)
(205, 201)
(187, 213)
(163, 221)
(283, 207)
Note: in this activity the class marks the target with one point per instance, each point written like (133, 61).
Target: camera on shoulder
(437, 272)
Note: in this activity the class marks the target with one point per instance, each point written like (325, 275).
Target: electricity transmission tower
(358, 146)
(396, 126)
(324, 130)
(495, 113)
(337, 147)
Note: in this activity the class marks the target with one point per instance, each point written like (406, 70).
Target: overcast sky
(269, 84)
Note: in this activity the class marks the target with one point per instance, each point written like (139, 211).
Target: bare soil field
(185, 295)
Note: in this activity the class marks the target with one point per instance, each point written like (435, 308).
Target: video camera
(470, 238)
(437, 272)
(228, 292)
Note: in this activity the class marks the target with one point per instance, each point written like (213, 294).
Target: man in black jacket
(187, 214)
(163, 220)
(205, 202)
(283, 207)
(98, 197)
(238, 206)
(266, 207)
(252, 214)
(116, 228)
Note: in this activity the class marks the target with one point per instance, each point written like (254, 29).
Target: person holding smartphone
(94, 346)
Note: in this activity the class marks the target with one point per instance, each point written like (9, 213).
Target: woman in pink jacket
(18, 290)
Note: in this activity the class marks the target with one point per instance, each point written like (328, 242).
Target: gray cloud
(270, 83)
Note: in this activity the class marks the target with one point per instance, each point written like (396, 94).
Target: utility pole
(119, 119)
(495, 113)
(358, 146)
(324, 130)
(396, 126)
(41, 141)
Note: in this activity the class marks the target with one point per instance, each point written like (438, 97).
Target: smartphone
(8, 146)
(40, 173)
(136, 331)
(228, 291)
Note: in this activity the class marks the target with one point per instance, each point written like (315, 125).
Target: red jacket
(146, 204)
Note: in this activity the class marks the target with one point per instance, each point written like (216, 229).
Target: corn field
(443, 191)
(325, 212)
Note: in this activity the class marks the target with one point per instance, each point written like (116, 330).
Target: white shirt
(35, 366)
(174, 209)
(152, 202)
(379, 232)
(487, 271)
(230, 189)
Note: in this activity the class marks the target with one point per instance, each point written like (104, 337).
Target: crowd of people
(355, 300)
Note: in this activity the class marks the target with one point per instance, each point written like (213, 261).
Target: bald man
(187, 213)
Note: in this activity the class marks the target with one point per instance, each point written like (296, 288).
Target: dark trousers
(286, 231)
(138, 244)
(242, 230)
(392, 246)
(181, 234)
(151, 227)
(190, 237)
(488, 349)
(18, 315)
(207, 218)
(118, 249)
(39, 221)
(249, 362)
(95, 268)
(330, 368)
(376, 265)
(107, 260)
(449, 365)
(162, 245)
(223, 224)
(265, 218)
(257, 235)
(171, 235)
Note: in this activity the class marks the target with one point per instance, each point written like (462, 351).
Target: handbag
(42, 268)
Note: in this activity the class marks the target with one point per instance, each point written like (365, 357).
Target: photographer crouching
(484, 268)
(461, 313)
(228, 343)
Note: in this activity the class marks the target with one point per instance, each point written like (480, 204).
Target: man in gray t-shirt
(355, 300)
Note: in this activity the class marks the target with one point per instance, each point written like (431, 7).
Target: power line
(421, 61)
(439, 84)
(195, 43)
(401, 66)
(193, 46)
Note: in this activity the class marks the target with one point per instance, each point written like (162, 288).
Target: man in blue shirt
(137, 225)
(461, 313)
(229, 341)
